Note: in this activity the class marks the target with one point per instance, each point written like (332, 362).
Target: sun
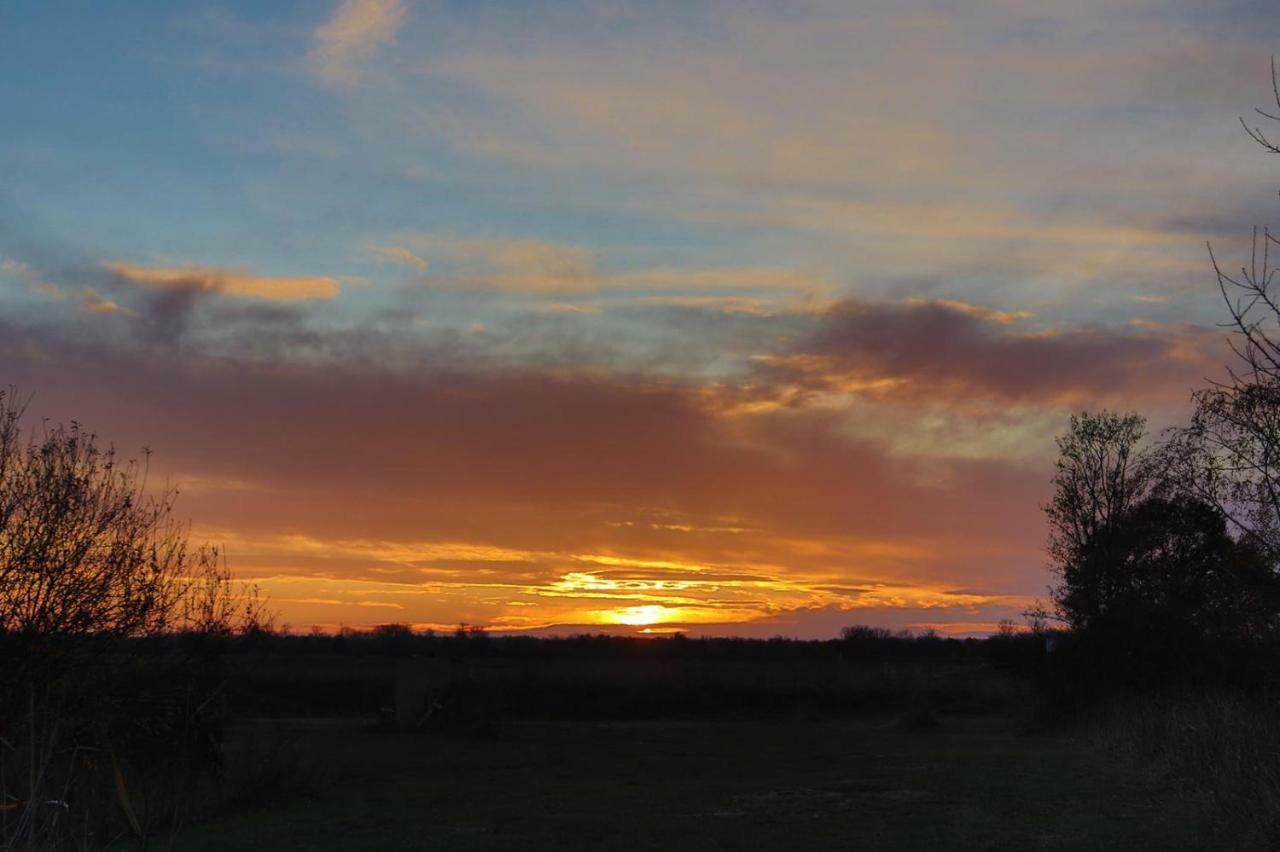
(638, 616)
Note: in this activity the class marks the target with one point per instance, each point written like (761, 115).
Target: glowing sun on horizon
(638, 616)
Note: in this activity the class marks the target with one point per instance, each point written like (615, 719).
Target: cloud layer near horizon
(377, 473)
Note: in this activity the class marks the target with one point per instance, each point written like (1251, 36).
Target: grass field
(968, 784)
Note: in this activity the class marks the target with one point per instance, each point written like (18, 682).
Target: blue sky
(826, 141)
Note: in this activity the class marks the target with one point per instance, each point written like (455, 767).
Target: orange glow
(531, 590)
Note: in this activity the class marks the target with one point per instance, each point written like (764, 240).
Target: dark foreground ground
(849, 784)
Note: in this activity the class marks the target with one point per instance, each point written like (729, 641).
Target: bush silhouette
(108, 623)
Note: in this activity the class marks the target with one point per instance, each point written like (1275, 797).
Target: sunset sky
(734, 318)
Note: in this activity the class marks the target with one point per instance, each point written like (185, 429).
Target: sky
(733, 318)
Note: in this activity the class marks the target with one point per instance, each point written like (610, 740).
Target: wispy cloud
(352, 37)
(89, 299)
(497, 264)
(531, 266)
(392, 254)
(16, 269)
(95, 303)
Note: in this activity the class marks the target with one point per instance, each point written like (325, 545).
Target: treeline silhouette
(617, 677)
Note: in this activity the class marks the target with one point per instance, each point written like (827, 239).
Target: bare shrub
(108, 621)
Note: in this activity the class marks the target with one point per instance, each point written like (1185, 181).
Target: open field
(967, 784)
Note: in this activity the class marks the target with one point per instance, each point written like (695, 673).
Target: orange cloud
(233, 282)
(95, 303)
(90, 299)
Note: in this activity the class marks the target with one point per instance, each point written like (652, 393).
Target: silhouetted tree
(1152, 580)
(1167, 569)
(861, 633)
(1100, 473)
(1229, 454)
